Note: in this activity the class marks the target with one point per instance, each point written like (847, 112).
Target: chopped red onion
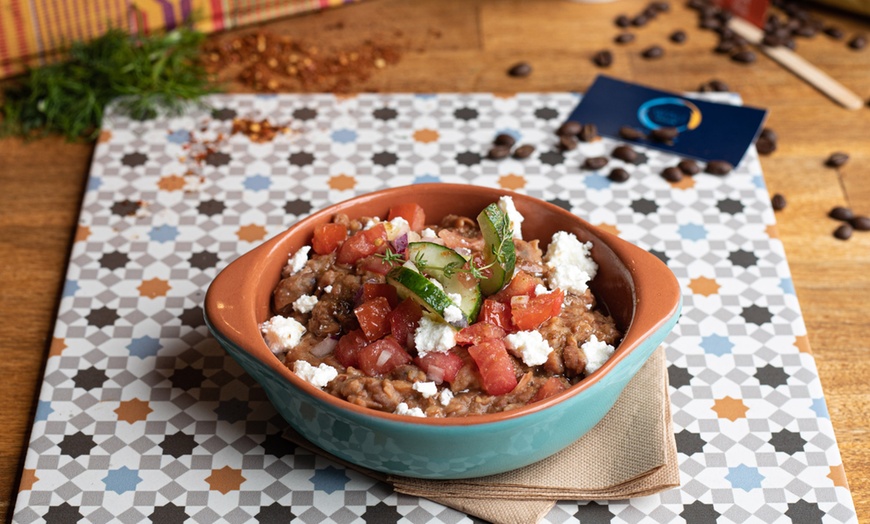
(401, 244)
(383, 358)
(324, 347)
(436, 374)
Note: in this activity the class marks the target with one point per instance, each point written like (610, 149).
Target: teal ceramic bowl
(636, 287)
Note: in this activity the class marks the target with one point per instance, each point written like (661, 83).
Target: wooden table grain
(468, 46)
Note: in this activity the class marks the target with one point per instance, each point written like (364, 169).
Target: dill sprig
(147, 75)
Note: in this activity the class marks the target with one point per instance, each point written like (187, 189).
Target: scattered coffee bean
(837, 159)
(617, 174)
(764, 145)
(567, 142)
(769, 134)
(719, 167)
(569, 128)
(498, 152)
(778, 202)
(841, 213)
(603, 58)
(624, 38)
(715, 86)
(624, 153)
(672, 174)
(678, 36)
(857, 43)
(595, 162)
(860, 223)
(520, 70)
(744, 57)
(652, 52)
(630, 133)
(843, 232)
(640, 20)
(834, 32)
(524, 151)
(504, 139)
(622, 21)
(710, 23)
(689, 167)
(726, 46)
(665, 135)
(661, 7)
(589, 133)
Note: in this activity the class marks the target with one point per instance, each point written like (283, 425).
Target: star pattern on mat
(122, 480)
(730, 408)
(512, 182)
(700, 513)
(342, 182)
(225, 479)
(744, 477)
(837, 474)
(133, 410)
(704, 286)
(154, 287)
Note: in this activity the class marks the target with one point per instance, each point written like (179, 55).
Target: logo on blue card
(669, 112)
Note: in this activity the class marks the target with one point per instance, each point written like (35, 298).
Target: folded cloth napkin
(630, 453)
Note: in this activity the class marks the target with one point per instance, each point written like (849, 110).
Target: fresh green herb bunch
(146, 74)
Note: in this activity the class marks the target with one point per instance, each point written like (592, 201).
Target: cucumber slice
(444, 265)
(499, 252)
(413, 285)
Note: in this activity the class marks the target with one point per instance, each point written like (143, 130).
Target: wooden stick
(797, 65)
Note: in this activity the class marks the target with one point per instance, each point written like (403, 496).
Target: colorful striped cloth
(33, 30)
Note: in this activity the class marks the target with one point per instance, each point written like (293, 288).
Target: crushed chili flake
(268, 62)
(259, 131)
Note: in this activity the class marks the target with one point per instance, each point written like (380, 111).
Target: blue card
(707, 130)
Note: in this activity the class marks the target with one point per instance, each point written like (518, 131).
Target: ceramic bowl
(638, 290)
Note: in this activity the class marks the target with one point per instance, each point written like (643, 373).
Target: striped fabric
(32, 31)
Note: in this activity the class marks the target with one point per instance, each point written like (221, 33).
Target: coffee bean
(769, 134)
(672, 174)
(640, 20)
(652, 52)
(837, 159)
(778, 202)
(725, 46)
(630, 133)
(567, 142)
(603, 58)
(859, 42)
(569, 128)
(665, 135)
(622, 21)
(624, 38)
(504, 139)
(650, 12)
(589, 133)
(860, 223)
(617, 174)
(624, 153)
(595, 162)
(689, 167)
(718, 167)
(744, 57)
(841, 213)
(714, 85)
(834, 32)
(498, 152)
(724, 16)
(843, 232)
(678, 36)
(524, 151)
(710, 23)
(765, 146)
(772, 40)
(520, 70)
(661, 7)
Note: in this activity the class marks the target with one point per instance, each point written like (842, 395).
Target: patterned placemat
(143, 417)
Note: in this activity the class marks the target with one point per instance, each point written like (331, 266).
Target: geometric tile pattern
(142, 416)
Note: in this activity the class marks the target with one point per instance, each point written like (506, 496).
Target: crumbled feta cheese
(327, 289)
(372, 222)
(597, 352)
(453, 315)
(298, 260)
(427, 389)
(445, 397)
(318, 376)
(506, 204)
(403, 409)
(542, 290)
(463, 251)
(282, 333)
(428, 233)
(432, 336)
(569, 263)
(305, 303)
(531, 346)
(396, 228)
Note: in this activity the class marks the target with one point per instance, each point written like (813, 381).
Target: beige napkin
(630, 453)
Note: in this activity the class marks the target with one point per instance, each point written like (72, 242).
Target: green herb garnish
(147, 75)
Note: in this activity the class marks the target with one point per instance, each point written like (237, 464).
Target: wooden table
(468, 46)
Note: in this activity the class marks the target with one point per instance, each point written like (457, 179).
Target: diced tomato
(552, 386)
(497, 314)
(530, 312)
(362, 244)
(371, 290)
(495, 365)
(411, 212)
(440, 367)
(382, 356)
(403, 321)
(522, 284)
(478, 332)
(349, 345)
(376, 264)
(372, 317)
(327, 238)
